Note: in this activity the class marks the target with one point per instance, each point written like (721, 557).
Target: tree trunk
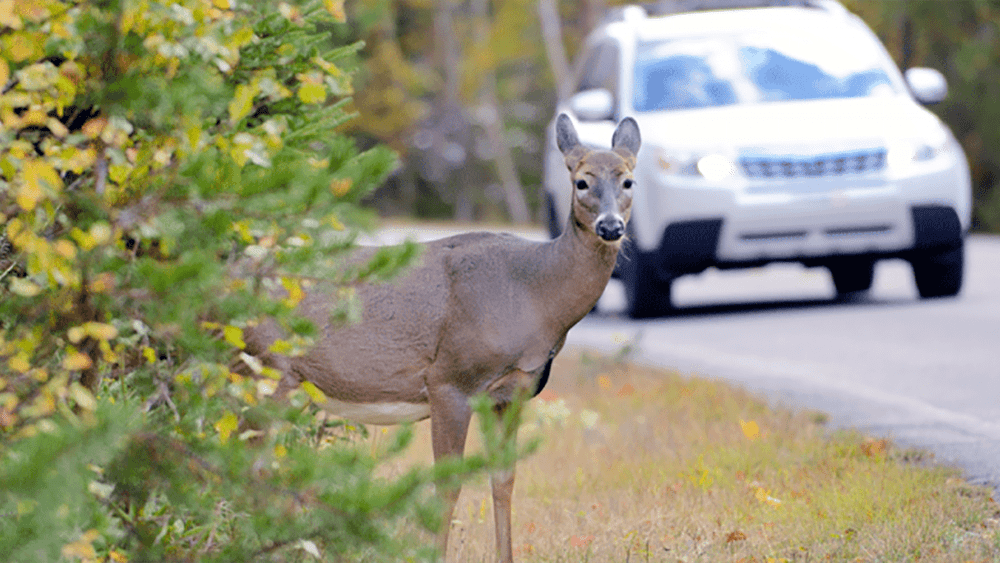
(548, 15)
(493, 122)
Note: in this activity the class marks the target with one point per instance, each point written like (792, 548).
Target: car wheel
(852, 276)
(939, 273)
(646, 294)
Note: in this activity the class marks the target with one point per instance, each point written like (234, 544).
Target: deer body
(480, 313)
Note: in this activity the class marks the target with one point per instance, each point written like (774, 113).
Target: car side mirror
(596, 104)
(927, 85)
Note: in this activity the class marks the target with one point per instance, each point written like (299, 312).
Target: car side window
(600, 70)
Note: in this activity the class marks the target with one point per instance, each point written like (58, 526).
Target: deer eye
(627, 184)
(581, 185)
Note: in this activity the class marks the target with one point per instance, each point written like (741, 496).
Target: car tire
(852, 276)
(939, 273)
(646, 294)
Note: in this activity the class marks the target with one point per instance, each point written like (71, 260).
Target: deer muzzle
(610, 227)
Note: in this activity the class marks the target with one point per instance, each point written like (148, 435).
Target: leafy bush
(169, 172)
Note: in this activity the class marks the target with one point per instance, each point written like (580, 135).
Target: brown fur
(480, 313)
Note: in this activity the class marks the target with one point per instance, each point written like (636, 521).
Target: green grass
(640, 464)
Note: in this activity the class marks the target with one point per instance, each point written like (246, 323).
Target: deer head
(602, 180)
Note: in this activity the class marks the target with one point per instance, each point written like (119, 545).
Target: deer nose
(610, 227)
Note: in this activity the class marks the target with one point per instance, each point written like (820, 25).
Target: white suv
(778, 132)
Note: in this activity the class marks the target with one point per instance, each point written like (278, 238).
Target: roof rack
(667, 7)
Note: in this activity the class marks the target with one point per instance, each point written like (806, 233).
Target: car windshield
(757, 67)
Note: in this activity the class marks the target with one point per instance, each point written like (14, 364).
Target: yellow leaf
(294, 290)
(77, 361)
(85, 240)
(194, 136)
(149, 354)
(314, 393)
(100, 232)
(83, 397)
(340, 186)
(234, 336)
(23, 46)
(101, 331)
(327, 66)
(9, 19)
(270, 373)
(43, 405)
(280, 451)
(79, 550)
(19, 363)
(65, 249)
(76, 334)
(750, 430)
(4, 69)
(41, 173)
(94, 127)
(290, 12)
(241, 37)
(78, 160)
(107, 353)
(119, 173)
(28, 196)
(221, 4)
(336, 9)
(766, 498)
(281, 347)
(57, 127)
(226, 425)
(24, 288)
(242, 101)
(266, 387)
(117, 557)
(312, 93)
(34, 117)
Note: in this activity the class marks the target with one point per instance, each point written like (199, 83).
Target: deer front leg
(503, 482)
(450, 415)
(503, 490)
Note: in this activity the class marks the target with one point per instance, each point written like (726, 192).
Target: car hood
(801, 127)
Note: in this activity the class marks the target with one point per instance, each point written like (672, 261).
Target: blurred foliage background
(463, 89)
(173, 171)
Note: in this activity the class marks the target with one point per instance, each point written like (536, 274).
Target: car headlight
(712, 166)
(907, 152)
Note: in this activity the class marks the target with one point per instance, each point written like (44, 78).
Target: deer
(480, 313)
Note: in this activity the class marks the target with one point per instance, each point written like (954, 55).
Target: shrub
(169, 172)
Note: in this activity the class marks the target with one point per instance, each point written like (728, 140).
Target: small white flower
(589, 418)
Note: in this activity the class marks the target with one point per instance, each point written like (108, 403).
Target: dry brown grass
(641, 464)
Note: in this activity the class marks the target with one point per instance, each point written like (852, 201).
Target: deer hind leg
(450, 415)
(503, 480)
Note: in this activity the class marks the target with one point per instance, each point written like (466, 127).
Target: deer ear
(626, 140)
(566, 138)
(568, 142)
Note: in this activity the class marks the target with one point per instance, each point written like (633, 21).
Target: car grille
(839, 164)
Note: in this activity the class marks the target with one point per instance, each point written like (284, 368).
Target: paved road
(925, 373)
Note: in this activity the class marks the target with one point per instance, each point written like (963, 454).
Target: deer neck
(577, 266)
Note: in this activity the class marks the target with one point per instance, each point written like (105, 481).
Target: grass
(641, 464)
